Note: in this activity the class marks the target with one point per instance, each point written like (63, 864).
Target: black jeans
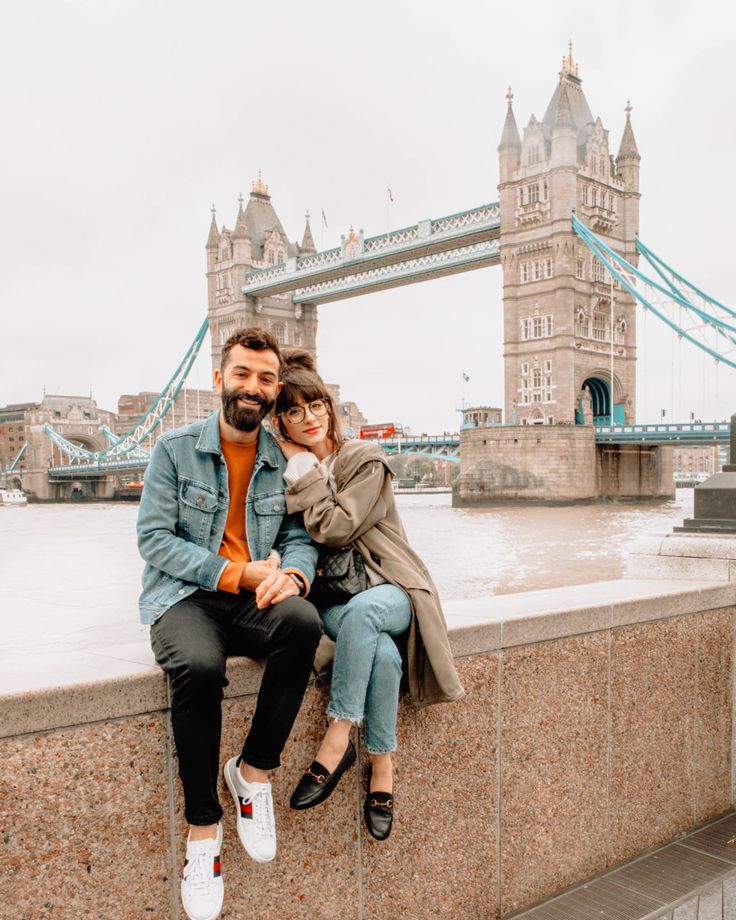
(191, 642)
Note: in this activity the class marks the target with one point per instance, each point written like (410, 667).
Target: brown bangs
(300, 384)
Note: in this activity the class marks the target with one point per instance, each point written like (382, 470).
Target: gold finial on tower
(259, 187)
(352, 235)
(509, 96)
(629, 108)
(240, 199)
(568, 64)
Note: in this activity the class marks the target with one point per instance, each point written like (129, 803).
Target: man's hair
(253, 337)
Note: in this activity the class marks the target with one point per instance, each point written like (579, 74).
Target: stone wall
(544, 463)
(590, 731)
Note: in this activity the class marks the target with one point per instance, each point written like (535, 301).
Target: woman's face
(307, 423)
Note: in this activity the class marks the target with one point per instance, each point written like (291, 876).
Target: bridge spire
(213, 240)
(510, 140)
(240, 231)
(307, 246)
(628, 149)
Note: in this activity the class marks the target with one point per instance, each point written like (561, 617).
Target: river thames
(70, 573)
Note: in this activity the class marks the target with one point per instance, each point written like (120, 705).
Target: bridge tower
(257, 240)
(558, 335)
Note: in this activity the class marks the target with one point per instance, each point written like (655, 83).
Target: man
(212, 513)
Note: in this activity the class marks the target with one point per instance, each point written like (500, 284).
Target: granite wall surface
(590, 731)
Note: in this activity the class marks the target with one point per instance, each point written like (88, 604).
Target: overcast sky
(123, 121)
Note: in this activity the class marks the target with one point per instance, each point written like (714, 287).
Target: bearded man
(226, 573)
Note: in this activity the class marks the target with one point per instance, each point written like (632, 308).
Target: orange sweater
(240, 460)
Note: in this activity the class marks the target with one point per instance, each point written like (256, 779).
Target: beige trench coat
(363, 512)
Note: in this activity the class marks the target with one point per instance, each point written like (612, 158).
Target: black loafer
(317, 783)
(379, 813)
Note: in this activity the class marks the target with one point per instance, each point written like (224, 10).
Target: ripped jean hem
(335, 716)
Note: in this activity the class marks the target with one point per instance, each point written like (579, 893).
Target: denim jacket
(184, 509)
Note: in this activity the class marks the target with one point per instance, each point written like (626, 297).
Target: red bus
(384, 430)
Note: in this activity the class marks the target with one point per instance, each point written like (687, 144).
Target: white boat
(12, 497)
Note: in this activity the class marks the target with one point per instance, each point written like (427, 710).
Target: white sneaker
(254, 805)
(202, 890)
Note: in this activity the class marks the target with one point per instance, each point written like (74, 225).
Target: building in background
(693, 464)
(257, 240)
(350, 417)
(481, 416)
(189, 406)
(77, 418)
(13, 437)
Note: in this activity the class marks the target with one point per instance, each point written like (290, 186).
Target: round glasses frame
(296, 414)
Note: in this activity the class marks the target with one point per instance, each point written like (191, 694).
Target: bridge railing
(405, 238)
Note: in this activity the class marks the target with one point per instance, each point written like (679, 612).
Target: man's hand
(254, 573)
(276, 587)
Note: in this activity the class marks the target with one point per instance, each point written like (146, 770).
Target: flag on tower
(324, 217)
(465, 377)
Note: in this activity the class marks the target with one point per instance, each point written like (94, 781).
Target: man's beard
(244, 418)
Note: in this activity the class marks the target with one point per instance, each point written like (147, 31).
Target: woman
(344, 490)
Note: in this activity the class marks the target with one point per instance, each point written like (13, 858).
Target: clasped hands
(270, 584)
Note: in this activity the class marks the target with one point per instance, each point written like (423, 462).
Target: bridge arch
(598, 385)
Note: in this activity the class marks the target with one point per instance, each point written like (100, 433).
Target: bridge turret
(307, 247)
(510, 146)
(558, 336)
(241, 238)
(564, 132)
(628, 159)
(213, 241)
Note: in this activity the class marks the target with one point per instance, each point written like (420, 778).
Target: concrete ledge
(116, 681)
(596, 724)
(707, 557)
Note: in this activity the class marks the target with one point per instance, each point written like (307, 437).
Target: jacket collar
(209, 441)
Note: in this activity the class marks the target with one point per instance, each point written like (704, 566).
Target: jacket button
(276, 506)
(181, 590)
(199, 499)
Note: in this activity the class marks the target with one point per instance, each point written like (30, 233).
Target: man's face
(248, 386)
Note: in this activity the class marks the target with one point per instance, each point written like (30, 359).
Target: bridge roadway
(429, 249)
(447, 447)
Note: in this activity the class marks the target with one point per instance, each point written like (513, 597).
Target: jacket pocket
(270, 511)
(197, 507)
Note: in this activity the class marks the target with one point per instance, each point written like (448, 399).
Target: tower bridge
(564, 233)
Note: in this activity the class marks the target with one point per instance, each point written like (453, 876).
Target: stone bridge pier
(556, 464)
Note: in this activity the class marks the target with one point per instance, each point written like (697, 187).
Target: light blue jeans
(367, 670)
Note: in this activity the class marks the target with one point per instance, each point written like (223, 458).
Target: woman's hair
(302, 384)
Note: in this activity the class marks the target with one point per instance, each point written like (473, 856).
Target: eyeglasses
(297, 414)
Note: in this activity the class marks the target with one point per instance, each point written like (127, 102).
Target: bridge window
(281, 255)
(537, 327)
(297, 339)
(270, 257)
(603, 166)
(600, 327)
(580, 268)
(548, 268)
(279, 332)
(524, 272)
(597, 270)
(537, 271)
(534, 193)
(545, 190)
